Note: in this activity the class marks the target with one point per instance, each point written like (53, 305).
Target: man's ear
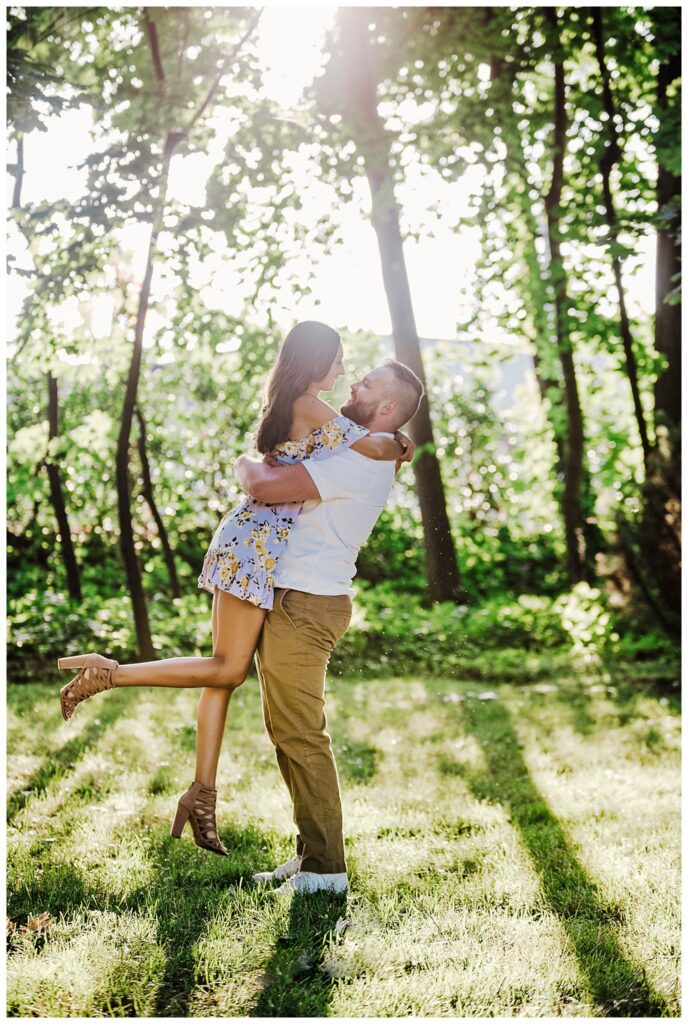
(389, 407)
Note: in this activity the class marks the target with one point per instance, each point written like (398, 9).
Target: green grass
(511, 853)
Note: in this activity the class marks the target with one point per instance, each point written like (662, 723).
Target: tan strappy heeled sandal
(95, 675)
(197, 806)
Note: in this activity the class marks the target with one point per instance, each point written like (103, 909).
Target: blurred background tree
(548, 469)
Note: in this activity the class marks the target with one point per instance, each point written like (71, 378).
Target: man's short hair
(408, 390)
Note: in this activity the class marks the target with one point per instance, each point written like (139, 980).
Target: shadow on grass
(184, 889)
(579, 700)
(59, 763)
(188, 886)
(617, 986)
(57, 888)
(627, 694)
(295, 984)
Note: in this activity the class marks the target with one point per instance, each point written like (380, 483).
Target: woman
(238, 568)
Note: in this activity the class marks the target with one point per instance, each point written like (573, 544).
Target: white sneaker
(286, 870)
(311, 881)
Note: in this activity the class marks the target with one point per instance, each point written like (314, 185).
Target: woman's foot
(96, 673)
(197, 806)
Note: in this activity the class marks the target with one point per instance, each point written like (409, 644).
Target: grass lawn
(512, 852)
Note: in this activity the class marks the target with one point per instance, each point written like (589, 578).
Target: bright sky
(348, 282)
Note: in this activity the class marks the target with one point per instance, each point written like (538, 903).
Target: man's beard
(359, 412)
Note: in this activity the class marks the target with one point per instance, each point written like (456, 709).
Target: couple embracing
(280, 567)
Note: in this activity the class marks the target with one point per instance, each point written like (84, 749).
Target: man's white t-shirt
(320, 554)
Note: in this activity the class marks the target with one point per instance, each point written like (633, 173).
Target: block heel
(95, 675)
(197, 806)
(180, 820)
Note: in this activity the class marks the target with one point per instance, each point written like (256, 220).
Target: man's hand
(240, 467)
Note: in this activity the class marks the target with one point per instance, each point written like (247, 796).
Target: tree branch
(213, 88)
(613, 153)
(152, 33)
(150, 498)
(82, 12)
(19, 175)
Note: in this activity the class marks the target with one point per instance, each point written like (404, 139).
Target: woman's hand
(377, 447)
(407, 445)
(271, 460)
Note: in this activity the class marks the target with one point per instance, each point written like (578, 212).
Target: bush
(520, 637)
(392, 633)
(42, 625)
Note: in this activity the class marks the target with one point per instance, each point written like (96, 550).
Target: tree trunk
(369, 135)
(608, 160)
(545, 363)
(127, 546)
(443, 575)
(126, 540)
(572, 500)
(19, 173)
(668, 316)
(150, 498)
(57, 496)
(658, 533)
(54, 479)
(172, 140)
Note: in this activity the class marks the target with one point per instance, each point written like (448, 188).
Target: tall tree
(127, 543)
(174, 136)
(609, 157)
(476, 66)
(667, 25)
(149, 495)
(653, 551)
(57, 494)
(51, 463)
(574, 470)
(352, 84)
(528, 224)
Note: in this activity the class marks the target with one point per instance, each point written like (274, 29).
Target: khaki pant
(294, 648)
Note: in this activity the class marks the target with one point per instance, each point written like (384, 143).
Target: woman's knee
(228, 674)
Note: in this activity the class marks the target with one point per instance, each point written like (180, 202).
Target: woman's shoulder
(309, 413)
(316, 429)
(310, 406)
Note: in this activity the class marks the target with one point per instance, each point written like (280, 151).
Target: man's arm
(266, 482)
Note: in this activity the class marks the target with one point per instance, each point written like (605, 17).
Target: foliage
(466, 96)
(45, 624)
(521, 637)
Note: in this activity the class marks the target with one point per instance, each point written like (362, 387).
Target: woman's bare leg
(211, 718)
(239, 625)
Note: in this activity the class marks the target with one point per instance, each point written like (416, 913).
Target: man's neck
(379, 426)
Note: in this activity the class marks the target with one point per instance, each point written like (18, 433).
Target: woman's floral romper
(244, 550)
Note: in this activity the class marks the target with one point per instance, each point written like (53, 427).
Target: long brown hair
(306, 355)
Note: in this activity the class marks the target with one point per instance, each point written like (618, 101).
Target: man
(343, 498)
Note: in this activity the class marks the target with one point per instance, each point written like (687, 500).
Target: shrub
(42, 625)
(392, 633)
